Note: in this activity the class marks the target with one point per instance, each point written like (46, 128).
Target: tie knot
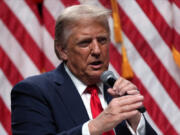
(92, 89)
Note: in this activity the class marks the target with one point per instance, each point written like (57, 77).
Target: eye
(84, 43)
(102, 40)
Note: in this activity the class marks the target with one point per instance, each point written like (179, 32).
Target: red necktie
(96, 107)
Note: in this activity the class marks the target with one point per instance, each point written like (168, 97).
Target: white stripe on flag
(176, 19)
(48, 47)
(164, 8)
(5, 89)
(54, 7)
(2, 130)
(16, 53)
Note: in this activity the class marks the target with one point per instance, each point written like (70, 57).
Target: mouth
(96, 65)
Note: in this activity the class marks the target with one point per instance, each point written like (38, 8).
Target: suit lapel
(70, 96)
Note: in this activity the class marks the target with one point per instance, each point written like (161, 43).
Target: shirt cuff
(85, 129)
(140, 128)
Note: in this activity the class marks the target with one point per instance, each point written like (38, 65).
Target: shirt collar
(80, 86)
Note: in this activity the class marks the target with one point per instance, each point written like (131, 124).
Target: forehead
(92, 21)
(88, 26)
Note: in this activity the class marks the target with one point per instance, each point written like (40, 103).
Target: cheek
(106, 58)
(79, 56)
(105, 53)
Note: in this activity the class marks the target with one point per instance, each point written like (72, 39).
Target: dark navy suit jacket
(49, 104)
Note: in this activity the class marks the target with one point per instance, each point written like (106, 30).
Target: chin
(96, 75)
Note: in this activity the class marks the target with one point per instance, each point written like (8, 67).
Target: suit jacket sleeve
(32, 115)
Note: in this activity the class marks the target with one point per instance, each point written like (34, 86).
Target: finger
(130, 107)
(127, 91)
(112, 92)
(116, 93)
(129, 86)
(118, 103)
(122, 86)
(127, 115)
(133, 92)
(124, 83)
(118, 83)
(129, 99)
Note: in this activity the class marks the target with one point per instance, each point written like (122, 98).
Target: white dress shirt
(86, 100)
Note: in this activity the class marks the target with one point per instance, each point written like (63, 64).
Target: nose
(95, 49)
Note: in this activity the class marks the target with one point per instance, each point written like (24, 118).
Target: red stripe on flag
(9, 69)
(49, 21)
(176, 34)
(177, 2)
(177, 41)
(153, 109)
(34, 8)
(5, 117)
(157, 20)
(115, 58)
(25, 40)
(148, 55)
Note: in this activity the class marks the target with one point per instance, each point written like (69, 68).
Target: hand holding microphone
(109, 79)
(119, 108)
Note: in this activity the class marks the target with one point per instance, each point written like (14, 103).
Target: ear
(62, 53)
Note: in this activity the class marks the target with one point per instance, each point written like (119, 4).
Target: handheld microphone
(109, 79)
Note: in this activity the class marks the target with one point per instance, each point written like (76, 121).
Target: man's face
(87, 52)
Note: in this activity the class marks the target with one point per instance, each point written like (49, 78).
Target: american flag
(151, 35)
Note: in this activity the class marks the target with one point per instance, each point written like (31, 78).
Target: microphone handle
(111, 82)
(141, 109)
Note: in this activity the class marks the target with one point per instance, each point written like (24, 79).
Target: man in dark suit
(59, 102)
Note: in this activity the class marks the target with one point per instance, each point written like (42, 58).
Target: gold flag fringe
(126, 68)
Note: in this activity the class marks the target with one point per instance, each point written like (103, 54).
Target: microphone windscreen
(106, 75)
